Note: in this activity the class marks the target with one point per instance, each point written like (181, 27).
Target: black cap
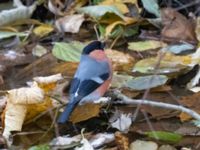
(93, 46)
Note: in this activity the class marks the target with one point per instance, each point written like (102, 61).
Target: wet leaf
(119, 80)
(99, 11)
(68, 51)
(152, 7)
(164, 136)
(145, 45)
(146, 82)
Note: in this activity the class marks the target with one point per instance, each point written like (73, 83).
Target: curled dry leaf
(16, 109)
(70, 23)
(177, 26)
(48, 79)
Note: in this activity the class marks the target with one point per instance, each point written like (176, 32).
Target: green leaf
(145, 45)
(4, 35)
(68, 51)
(164, 136)
(152, 7)
(40, 147)
(119, 80)
(146, 82)
(99, 11)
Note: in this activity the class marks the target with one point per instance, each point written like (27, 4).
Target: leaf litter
(149, 53)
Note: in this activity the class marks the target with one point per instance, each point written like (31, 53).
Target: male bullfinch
(91, 79)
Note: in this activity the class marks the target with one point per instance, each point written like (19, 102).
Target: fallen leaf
(84, 112)
(146, 82)
(117, 3)
(70, 23)
(177, 26)
(11, 15)
(119, 80)
(120, 61)
(68, 51)
(40, 147)
(39, 50)
(4, 35)
(122, 123)
(192, 102)
(169, 63)
(164, 136)
(145, 45)
(99, 11)
(176, 49)
(121, 141)
(43, 30)
(143, 145)
(152, 7)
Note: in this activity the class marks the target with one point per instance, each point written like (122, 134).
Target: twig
(127, 100)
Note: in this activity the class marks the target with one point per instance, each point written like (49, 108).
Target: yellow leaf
(43, 30)
(119, 4)
(84, 112)
(127, 21)
(35, 109)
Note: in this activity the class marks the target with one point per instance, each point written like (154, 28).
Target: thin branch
(127, 100)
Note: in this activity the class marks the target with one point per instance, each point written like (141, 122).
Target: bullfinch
(91, 80)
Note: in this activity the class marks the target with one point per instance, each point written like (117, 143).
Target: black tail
(64, 117)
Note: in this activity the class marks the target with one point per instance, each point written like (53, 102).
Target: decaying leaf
(70, 23)
(169, 63)
(84, 112)
(16, 109)
(191, 102)
(26, 102)
(122, 141)
(197, 29)
(177, 26)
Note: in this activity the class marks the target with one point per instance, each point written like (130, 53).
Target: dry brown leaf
(84, 112)
(120, 60)
(176, 26)
(192, 102)
(70, 23)
(121, 141)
